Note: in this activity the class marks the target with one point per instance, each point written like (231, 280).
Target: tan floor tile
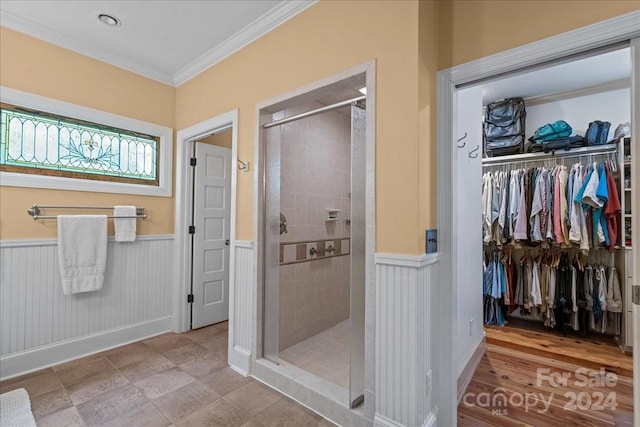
(128, 354)
(218, 413)
(216, 342)
(185, 353)
(146, 415)
(201, 367)
(287, 413)
(222, 325)
(153, 364)
(253, 397)
(224, 381)
(203, 334)
(5, 383)
(96, 385)
(166, 342)
(253, 423)
(36, 385)
(68, 418)
(81, 369)
(111, 405)
(165, 382)
(326, 423)
(185, 400)
(50, 402)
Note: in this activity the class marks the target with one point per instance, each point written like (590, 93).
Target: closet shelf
(580, 151)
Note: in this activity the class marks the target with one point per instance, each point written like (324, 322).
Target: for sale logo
(598, 397)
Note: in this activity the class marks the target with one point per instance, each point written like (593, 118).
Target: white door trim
(604, 33)
(182, 262)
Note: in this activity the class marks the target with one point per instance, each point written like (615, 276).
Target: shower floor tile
(325, 354)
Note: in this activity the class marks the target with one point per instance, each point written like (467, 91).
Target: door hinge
(635, 290)
(190, 298)
(192, 162)
(192, 229)
(226, 243)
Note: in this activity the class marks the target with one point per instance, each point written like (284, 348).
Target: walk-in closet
(555, 227)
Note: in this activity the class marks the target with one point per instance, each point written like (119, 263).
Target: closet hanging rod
(34, 211)
(564, 154)
(314, 112)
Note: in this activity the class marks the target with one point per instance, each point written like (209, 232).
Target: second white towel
(125, 228)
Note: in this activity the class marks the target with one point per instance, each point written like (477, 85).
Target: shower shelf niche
(332, 214)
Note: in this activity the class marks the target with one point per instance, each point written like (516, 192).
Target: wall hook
(244, 167)
(461, 139)
(473, 154)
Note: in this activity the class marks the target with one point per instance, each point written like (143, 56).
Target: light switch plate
(636, 295)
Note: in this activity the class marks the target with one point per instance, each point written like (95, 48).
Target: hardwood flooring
(537, 378)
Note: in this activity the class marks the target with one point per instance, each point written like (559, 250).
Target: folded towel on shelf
(125, 228)
(82, 252)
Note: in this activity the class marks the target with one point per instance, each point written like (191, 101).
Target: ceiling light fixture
(109, 20)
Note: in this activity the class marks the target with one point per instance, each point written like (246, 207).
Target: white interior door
(212, 195)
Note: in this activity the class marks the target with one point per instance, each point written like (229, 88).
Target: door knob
(226, 243)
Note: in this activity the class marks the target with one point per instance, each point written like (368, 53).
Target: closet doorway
(463, 256)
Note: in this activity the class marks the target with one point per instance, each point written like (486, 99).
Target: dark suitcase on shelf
(503, 128)
(566, 143)
(597, 133)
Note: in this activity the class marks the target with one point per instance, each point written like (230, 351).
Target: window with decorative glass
(36, 142)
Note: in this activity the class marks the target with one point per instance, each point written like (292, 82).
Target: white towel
(125, 228)
(15, 408)
(82, 252)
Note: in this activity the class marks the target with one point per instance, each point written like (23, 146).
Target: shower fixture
(283, 224)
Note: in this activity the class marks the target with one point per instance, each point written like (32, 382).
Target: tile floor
(168, 380)
(325, 354)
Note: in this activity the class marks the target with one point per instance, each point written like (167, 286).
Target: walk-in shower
(314, 241)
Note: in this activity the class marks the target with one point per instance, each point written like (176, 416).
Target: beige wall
(222, 139)
(31, 65)
(472, 29)
(328, 37)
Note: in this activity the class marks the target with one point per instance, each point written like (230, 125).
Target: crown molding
(261, 26)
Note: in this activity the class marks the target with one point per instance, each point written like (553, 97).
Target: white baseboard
(37, 358)
(432, 419)
(475, 355)
(382, 421)
(240, 360)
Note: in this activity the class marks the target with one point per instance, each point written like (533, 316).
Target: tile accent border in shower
(305, 251)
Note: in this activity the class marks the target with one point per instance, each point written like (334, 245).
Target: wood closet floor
(523, 364)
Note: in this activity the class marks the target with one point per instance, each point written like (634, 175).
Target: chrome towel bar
(35, 212)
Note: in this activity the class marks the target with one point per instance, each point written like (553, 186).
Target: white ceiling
(562, 77)
(169, 41)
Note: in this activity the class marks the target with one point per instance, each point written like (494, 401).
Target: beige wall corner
(31, 65)
(472, 29)
(319, 42)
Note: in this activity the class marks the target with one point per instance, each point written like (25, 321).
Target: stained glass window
(37, 142)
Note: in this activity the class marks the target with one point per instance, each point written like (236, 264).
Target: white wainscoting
(241, 307)
(41, 326)
(403, 289)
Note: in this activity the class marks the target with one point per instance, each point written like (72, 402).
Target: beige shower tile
(165, 382)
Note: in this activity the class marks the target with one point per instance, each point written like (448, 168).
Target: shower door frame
(264, 112)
